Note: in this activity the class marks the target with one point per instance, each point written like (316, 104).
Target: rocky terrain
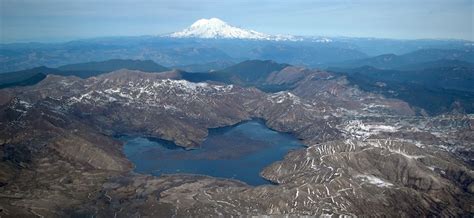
(366, 154)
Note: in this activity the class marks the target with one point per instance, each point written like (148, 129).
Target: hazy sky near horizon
(60, 20)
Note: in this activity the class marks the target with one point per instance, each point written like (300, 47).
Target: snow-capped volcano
(215, 28)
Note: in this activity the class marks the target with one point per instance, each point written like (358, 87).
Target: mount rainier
(215, 28)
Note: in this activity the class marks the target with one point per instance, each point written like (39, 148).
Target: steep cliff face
(365, 154)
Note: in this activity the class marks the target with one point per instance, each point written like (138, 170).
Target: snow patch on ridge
(283, 96)
(374, 180)
(360, 130)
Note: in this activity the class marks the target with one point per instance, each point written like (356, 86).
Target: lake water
(238, 152)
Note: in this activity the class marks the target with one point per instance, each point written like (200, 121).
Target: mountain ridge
(83, 70)
(393, 61)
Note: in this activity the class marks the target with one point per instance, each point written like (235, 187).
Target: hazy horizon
(57, 21)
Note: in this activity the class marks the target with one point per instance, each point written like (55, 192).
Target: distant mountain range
(82, 70)
(89, 69)
(436, 86)
(246, 73)
(392, 61)
(205, 67)
(252, 71)
(215, 41)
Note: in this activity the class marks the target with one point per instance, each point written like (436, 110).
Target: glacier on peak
(214, 28)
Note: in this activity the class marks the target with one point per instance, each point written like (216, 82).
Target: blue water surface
(238, 152)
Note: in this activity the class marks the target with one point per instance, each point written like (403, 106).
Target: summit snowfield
(215, 28)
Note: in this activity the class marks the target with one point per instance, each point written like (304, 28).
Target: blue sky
(60, 20)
